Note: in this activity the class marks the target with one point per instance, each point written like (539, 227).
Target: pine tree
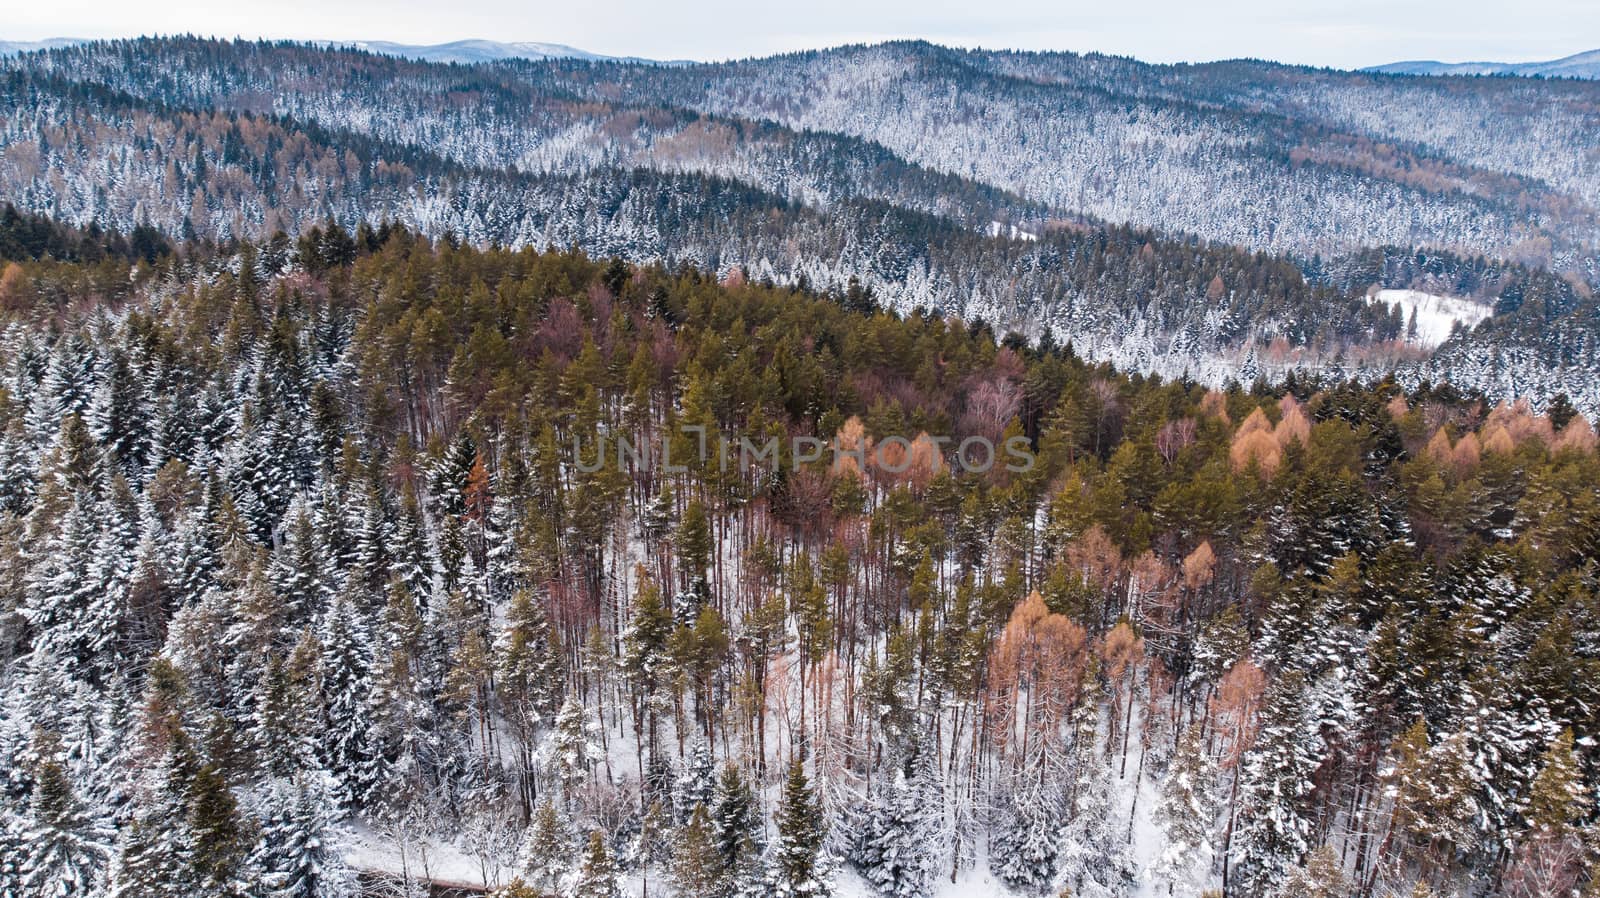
(1557, 800)
(697, 868)
(545, 860)
(597, 877)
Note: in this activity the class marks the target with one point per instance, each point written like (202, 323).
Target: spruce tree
(1186, 815)
(13, 848)
(798, 870)
(217, 841)
(652, 845)
(569, 751)
(63, 850)
(1274, 819)
(345, 673)
(903, 843)
(532, 674)
(1025, 847)
(697, 785)
(734, 818)
(294, 854)
(1322, 876)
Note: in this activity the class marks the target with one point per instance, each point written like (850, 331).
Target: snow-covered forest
(1213, 221)
(310, 586)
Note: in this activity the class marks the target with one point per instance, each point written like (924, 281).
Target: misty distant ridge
(11, 48)
(477, 50)
(1578, 65)
(464, 51)
(472, 51)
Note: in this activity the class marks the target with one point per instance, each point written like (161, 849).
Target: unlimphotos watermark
(893, 455)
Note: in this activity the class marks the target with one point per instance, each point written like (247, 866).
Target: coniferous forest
(315, 582)
(1236, 219)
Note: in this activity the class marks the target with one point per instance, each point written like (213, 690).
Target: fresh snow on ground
(1001, 229)
(447, 857)
(974, 883)
(369, 851)
(1436, 315)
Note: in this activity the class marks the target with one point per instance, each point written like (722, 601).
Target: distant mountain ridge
(1217, 221)
(1578, 65)
(466, 52)
(12, 48)
(479, 50)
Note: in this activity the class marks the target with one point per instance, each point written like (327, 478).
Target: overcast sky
(1345, 34)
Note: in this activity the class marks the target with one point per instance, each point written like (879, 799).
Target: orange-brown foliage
(1237, 700)
(1096, 558)
(1439, 448)
(1200, 566)
(1215, 405)
(1521, 423)
(1121, 649)
(925, 460)
(1294, 426)
(1398, 407)
(1498, 442)
(1044, 654)
(14, 292)
(1466, 455)
(1577, 436)
(850, 441)
(1256, 443)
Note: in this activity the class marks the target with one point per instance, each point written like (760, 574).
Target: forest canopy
(302, 585)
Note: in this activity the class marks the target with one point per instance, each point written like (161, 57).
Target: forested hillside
(1201, 220)
(311, 580)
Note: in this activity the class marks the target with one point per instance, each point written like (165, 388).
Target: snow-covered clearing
(1436, 316)
(369, 851)
(1001, 229)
